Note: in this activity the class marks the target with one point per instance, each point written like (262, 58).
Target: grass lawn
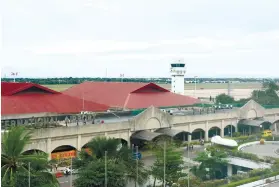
(190, 86)
(59, 87)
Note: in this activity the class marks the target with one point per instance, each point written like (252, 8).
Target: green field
(190, 86)
(59, 87)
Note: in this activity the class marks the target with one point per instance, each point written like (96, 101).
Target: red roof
(129, 95)
(11, 88)
(17, 100)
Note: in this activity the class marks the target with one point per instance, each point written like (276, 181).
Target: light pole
(164, 164)
(195, 77)
(29, 178)
(137, 161)
(71, 172)
(188, 178)
(106, 180)
(231, 128)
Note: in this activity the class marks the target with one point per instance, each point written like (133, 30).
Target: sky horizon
(83, 38)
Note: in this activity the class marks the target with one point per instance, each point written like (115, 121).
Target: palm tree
(123, 157)
(15, 164)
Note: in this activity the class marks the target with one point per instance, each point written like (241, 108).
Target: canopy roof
(146, 135)
(170, 132)
(254, 122)
(222, 141)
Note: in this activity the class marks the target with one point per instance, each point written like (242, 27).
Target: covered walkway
(249, 126)
(174, 133)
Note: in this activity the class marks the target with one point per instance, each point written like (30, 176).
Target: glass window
(177, 65)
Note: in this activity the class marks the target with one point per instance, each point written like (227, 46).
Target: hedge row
(249, 180)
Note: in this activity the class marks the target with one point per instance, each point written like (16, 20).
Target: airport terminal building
(28, 103)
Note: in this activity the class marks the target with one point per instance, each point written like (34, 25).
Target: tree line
(268, 95)
(78, 80)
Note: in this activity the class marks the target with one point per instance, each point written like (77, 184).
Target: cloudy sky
(140, 38)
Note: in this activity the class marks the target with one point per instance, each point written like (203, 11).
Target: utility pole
(71, 172)
(29, 177)
(137, 160)
(188, 177)
(106, 177)
(165, 164)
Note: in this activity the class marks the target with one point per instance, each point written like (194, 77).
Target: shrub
(234, 178)
(259, 172)
(236, 134)
(244, 155)
(214, 183)
(244, 181)
(249, 180)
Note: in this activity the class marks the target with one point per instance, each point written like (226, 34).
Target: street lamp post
(106, 177)
(137, 160)
(188, 177)
(71, 176)
(164, 164)
(29, 178)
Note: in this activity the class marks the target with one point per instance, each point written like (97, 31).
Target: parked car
(68, 171)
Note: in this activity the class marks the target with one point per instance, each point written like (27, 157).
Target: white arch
(252, 113)
(194, 130)
(34, 150)
(214, 127)
(63, 145)
(152, 123)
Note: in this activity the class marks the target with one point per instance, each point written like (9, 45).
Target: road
(148, 161)
(273, 184)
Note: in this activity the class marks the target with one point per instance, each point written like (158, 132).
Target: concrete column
(236, 126)
(275, 127)
(129, 138)
(206, 131)
(189, 137)
(230, 170)
(79, 142)
(48, 147)
(189, 130)
(222, 129)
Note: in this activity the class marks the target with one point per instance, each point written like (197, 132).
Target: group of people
(201, 141)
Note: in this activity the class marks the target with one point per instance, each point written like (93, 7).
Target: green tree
(268, 95)
(173, 162)
(224, 99)
(15, 164)
(123, 157)
(211, 162)
(93, 174)
(271, 85)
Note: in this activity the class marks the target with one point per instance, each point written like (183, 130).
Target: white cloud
(214, 37)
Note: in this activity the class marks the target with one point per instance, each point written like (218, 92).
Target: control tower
(177, 71)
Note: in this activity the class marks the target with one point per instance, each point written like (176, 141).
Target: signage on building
(63, 155)
(68, 154)
(46, 121)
